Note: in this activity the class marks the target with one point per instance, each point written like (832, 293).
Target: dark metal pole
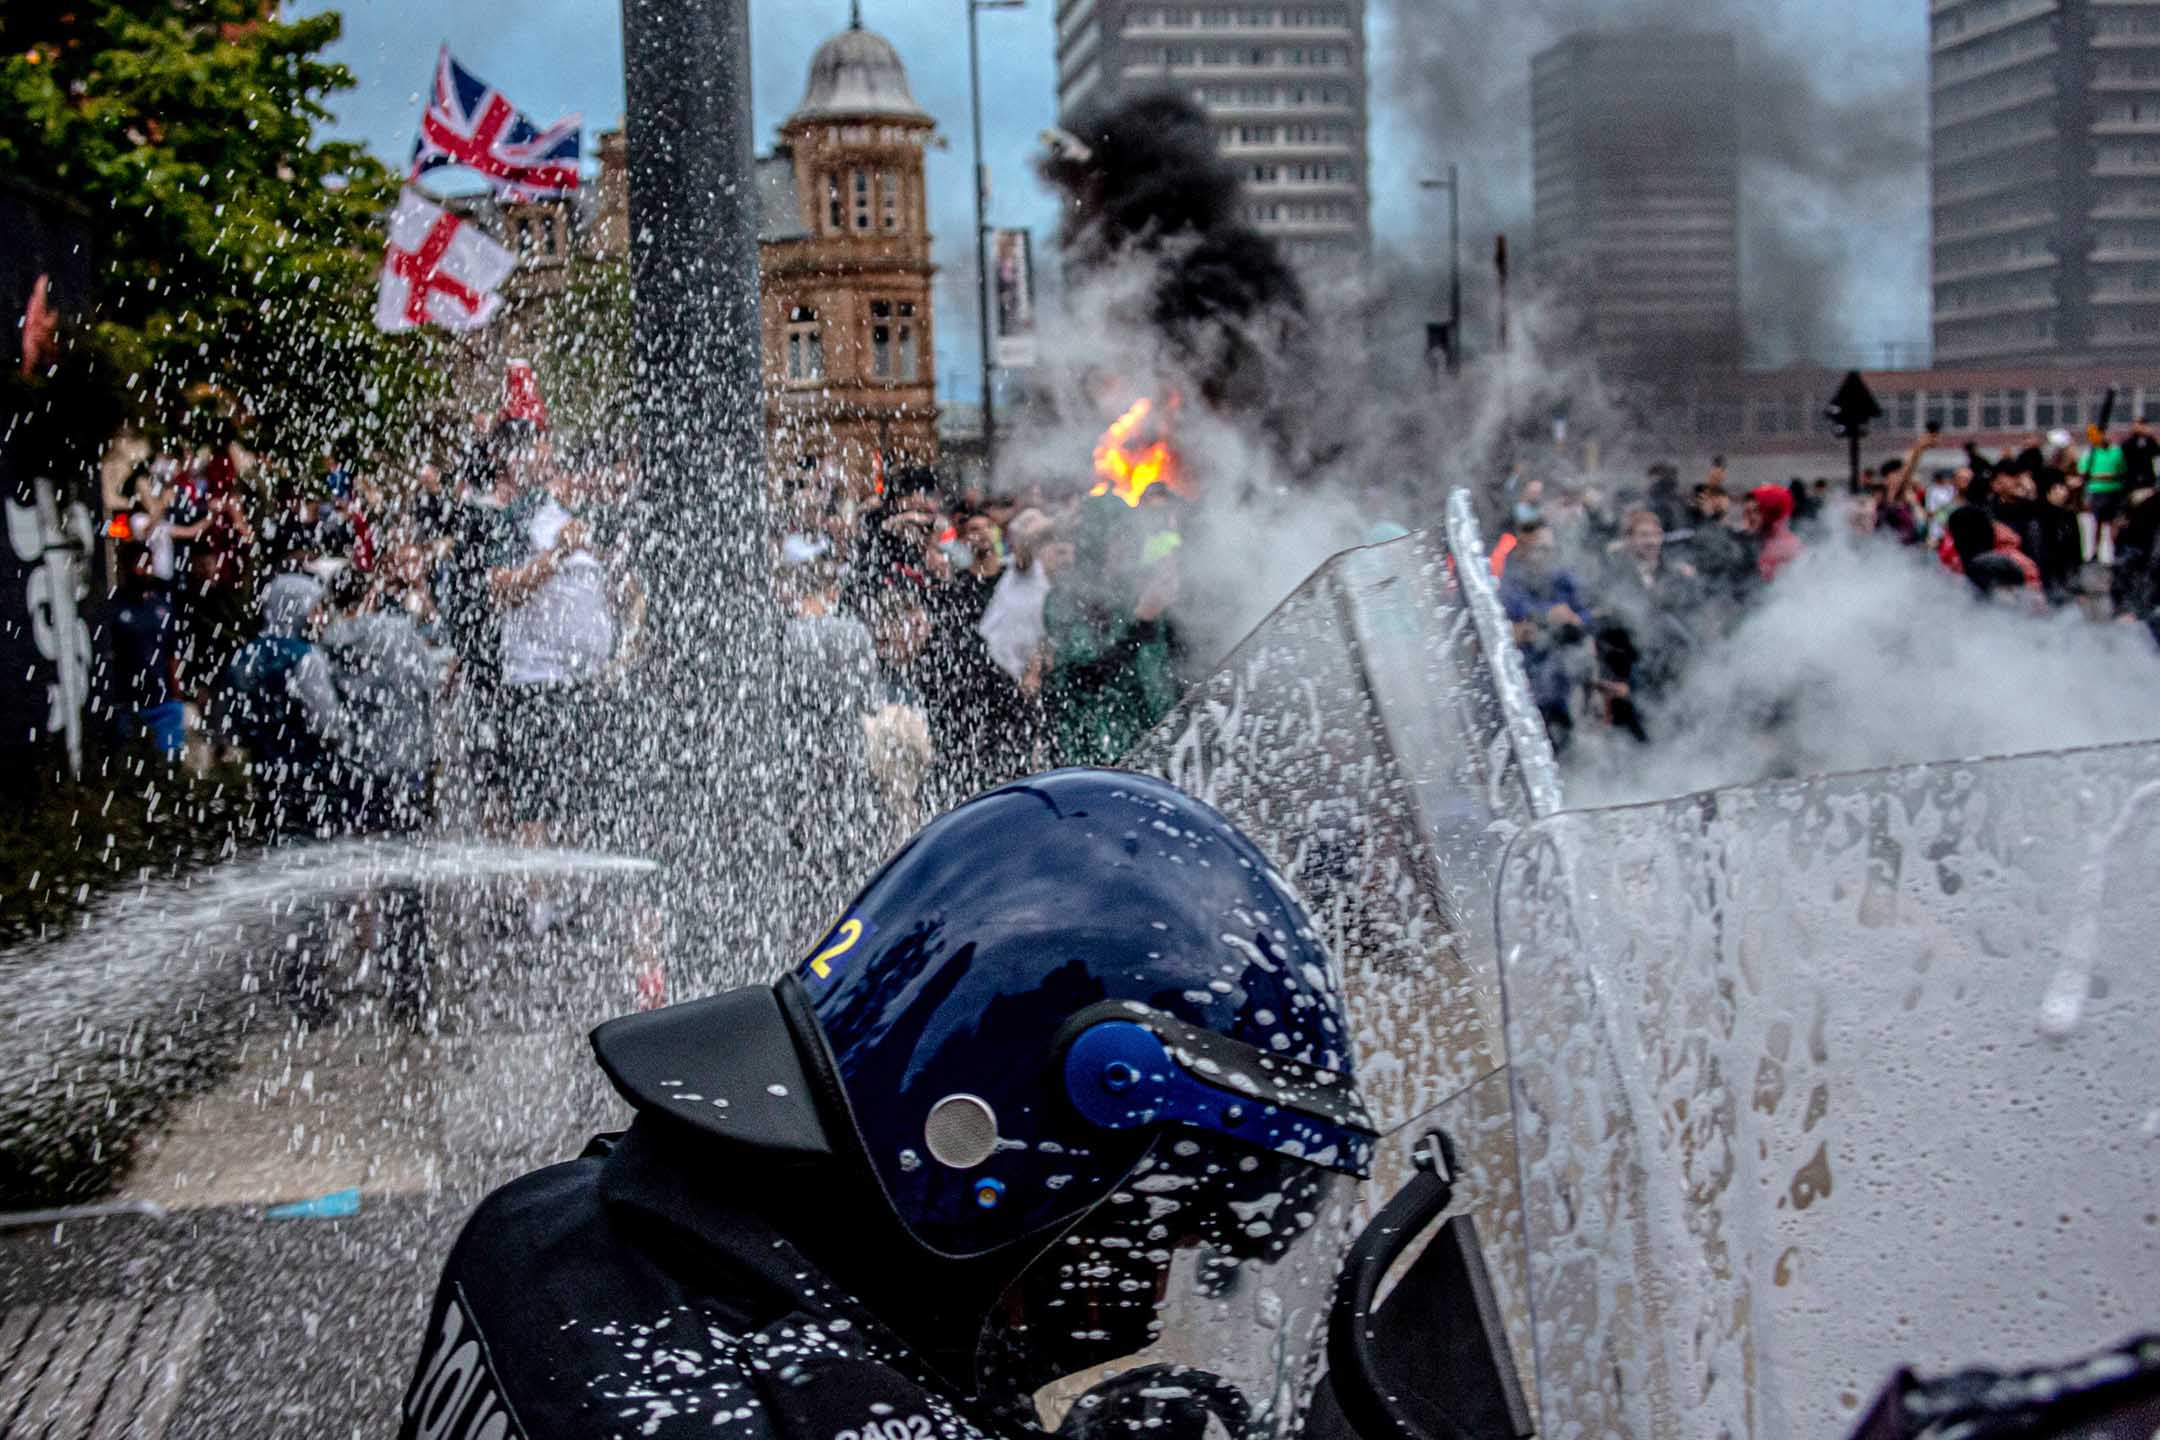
(1454, 226)
(982, 249)
(694, 264)
(712, 752)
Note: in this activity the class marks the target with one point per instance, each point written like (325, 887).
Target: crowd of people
(1612, 596)
(383, 650)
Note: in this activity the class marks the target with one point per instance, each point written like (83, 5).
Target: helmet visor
(1192, 1303)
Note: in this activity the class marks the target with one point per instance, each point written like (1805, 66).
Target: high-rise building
(2045, 130)
(1285, 84)
(1636, 159)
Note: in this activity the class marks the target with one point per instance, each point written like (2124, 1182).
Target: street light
(1453, 185)
(982, 232)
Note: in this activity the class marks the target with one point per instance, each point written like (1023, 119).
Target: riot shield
(1812, 1081)
(1376, 738)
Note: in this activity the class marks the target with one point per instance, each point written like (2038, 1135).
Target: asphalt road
(400, 1061)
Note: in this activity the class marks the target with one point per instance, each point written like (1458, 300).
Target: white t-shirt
(159, 540)
(1012, 624)
(565, 634)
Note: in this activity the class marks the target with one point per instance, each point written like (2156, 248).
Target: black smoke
(1148, 186)
(1832, 140)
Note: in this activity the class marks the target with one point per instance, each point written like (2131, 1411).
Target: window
(835, 221)
(862, 199)
(907, 365)
(1908, 411)
(805, 345)
(881, 339)
(2149, 405)
(2069, 414)
(888, 200)
(1961, 410)
(1933, 407)
(2016, 416)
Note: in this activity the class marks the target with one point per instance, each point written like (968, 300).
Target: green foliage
(237, 249)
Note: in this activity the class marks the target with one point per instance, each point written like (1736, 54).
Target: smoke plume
(1867, 655)
(1832, 137)
(1147, 185)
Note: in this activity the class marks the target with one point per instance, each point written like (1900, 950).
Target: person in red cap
(1769, 520)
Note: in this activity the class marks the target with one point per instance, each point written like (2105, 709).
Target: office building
(1636, 164)
(1285, 85)
(2045, 158)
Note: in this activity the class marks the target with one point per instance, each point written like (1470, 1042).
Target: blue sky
(557, 56)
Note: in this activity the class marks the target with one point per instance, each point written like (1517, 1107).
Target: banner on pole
(1012, 262)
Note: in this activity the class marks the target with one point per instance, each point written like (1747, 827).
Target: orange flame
(1129, 471)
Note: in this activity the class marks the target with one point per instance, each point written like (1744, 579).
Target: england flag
(469, 122)
(438, 268)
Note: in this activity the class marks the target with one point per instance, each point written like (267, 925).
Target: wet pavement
(385, 1062)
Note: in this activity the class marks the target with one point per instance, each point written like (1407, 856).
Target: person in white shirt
(566, 608)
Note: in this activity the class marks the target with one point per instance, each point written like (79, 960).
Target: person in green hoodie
(1113, 655)
(2103, 466)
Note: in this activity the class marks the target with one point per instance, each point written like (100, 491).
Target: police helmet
(1088, 1045)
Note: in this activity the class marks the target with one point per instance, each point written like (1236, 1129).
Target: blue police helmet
(1036, 989)
(1050, 977)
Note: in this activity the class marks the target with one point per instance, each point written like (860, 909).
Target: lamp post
(1453, 185)
(982, 230)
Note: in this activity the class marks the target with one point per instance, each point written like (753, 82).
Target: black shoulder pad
(726, 1066)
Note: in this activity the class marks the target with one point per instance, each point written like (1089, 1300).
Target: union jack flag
(469, 122)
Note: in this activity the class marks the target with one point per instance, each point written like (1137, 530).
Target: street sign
(1854, 407)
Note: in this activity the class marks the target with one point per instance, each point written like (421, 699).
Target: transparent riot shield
(1816, 1080)
(1375, 737)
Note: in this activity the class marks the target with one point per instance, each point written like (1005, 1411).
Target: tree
(237, 248)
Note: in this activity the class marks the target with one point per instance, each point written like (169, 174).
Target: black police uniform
(613, 1296)
(658, 1285)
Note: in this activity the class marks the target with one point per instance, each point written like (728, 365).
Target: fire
(1128, 469)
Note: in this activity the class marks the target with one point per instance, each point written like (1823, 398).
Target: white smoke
(1866, 655)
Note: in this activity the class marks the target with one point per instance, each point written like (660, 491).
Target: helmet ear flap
(1127, 1067)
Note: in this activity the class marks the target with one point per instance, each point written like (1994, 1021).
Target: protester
(559, 600)
(1769, 521)
(1012, 625)
(1546, 607)
(146, 657)
(280, 705)
(2141, 458)
(2104, 468)
(1112, 666)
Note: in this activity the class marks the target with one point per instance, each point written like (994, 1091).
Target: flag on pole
(438, 268)
(469, 122)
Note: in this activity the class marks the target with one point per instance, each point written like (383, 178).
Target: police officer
(1055, 1130)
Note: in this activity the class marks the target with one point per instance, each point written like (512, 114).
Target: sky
(554, 57)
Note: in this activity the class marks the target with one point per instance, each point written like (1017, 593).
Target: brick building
(850, 354)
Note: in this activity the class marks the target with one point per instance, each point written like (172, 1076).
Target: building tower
(2044, 132)
(850, 371)
(1636, 160)
(1285, 85)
